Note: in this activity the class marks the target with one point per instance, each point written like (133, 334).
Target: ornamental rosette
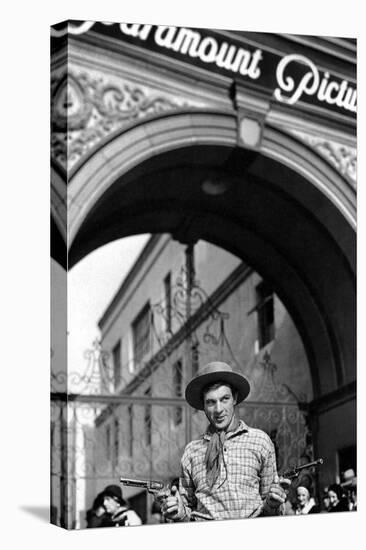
(341, 156)
(85, 109)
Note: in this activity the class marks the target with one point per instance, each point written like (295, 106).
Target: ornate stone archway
(141, 155)
(197, 145)
(122, 151)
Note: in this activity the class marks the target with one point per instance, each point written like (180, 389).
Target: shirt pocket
(244, 469)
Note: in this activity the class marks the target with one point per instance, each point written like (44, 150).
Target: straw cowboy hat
(216, 371)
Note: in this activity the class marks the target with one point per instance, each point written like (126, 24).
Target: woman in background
(305, 502)
(337, 502)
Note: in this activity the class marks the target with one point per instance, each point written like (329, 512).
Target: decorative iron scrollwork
(135, 435)
(191, 308)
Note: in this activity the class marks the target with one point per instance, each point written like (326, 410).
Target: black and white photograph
(203, 210)
(198, 209)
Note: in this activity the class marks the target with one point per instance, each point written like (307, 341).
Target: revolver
(294, 473)
(159, 489)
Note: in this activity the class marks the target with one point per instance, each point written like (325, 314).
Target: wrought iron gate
(103, 428)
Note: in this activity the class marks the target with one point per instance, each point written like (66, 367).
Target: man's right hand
(172, 506)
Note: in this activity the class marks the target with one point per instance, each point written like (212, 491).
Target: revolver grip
(162, 494)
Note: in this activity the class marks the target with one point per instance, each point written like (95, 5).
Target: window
(116, 354)
(265, 312)
(195, 359)
(190, 266)
(108, 441)
(147, 419)
(195, 363)
(116, 442)
(141, 329)
(178, 391)
(53, 426)
(347, 459)
(168, 302)
(130, 431)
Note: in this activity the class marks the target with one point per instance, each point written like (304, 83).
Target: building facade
(181, 307)
(243, 140)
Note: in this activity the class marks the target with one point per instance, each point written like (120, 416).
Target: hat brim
(350, 483)
(195, 387)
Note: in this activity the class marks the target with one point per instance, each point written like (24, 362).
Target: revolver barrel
(295, 471)
(148, 484)
(314, 463)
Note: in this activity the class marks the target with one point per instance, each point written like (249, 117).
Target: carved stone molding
(342, 157)
(86, 108)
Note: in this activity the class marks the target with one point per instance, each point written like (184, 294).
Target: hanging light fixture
(215, 186)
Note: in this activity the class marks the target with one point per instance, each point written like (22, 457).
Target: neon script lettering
(290, 89)
(312, 83)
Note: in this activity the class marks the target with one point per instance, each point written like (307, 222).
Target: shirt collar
(241, 428)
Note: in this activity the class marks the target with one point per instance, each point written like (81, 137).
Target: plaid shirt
(241, 487)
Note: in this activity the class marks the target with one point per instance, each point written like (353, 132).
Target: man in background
(120, 514)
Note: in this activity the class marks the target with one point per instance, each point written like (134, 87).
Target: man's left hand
(277, 494)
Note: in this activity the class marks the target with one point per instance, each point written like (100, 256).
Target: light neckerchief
(214, 453)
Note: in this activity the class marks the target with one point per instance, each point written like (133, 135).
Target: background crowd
(337, 497)
(111, 509)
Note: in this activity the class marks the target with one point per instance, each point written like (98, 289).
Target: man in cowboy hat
(229, 472)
